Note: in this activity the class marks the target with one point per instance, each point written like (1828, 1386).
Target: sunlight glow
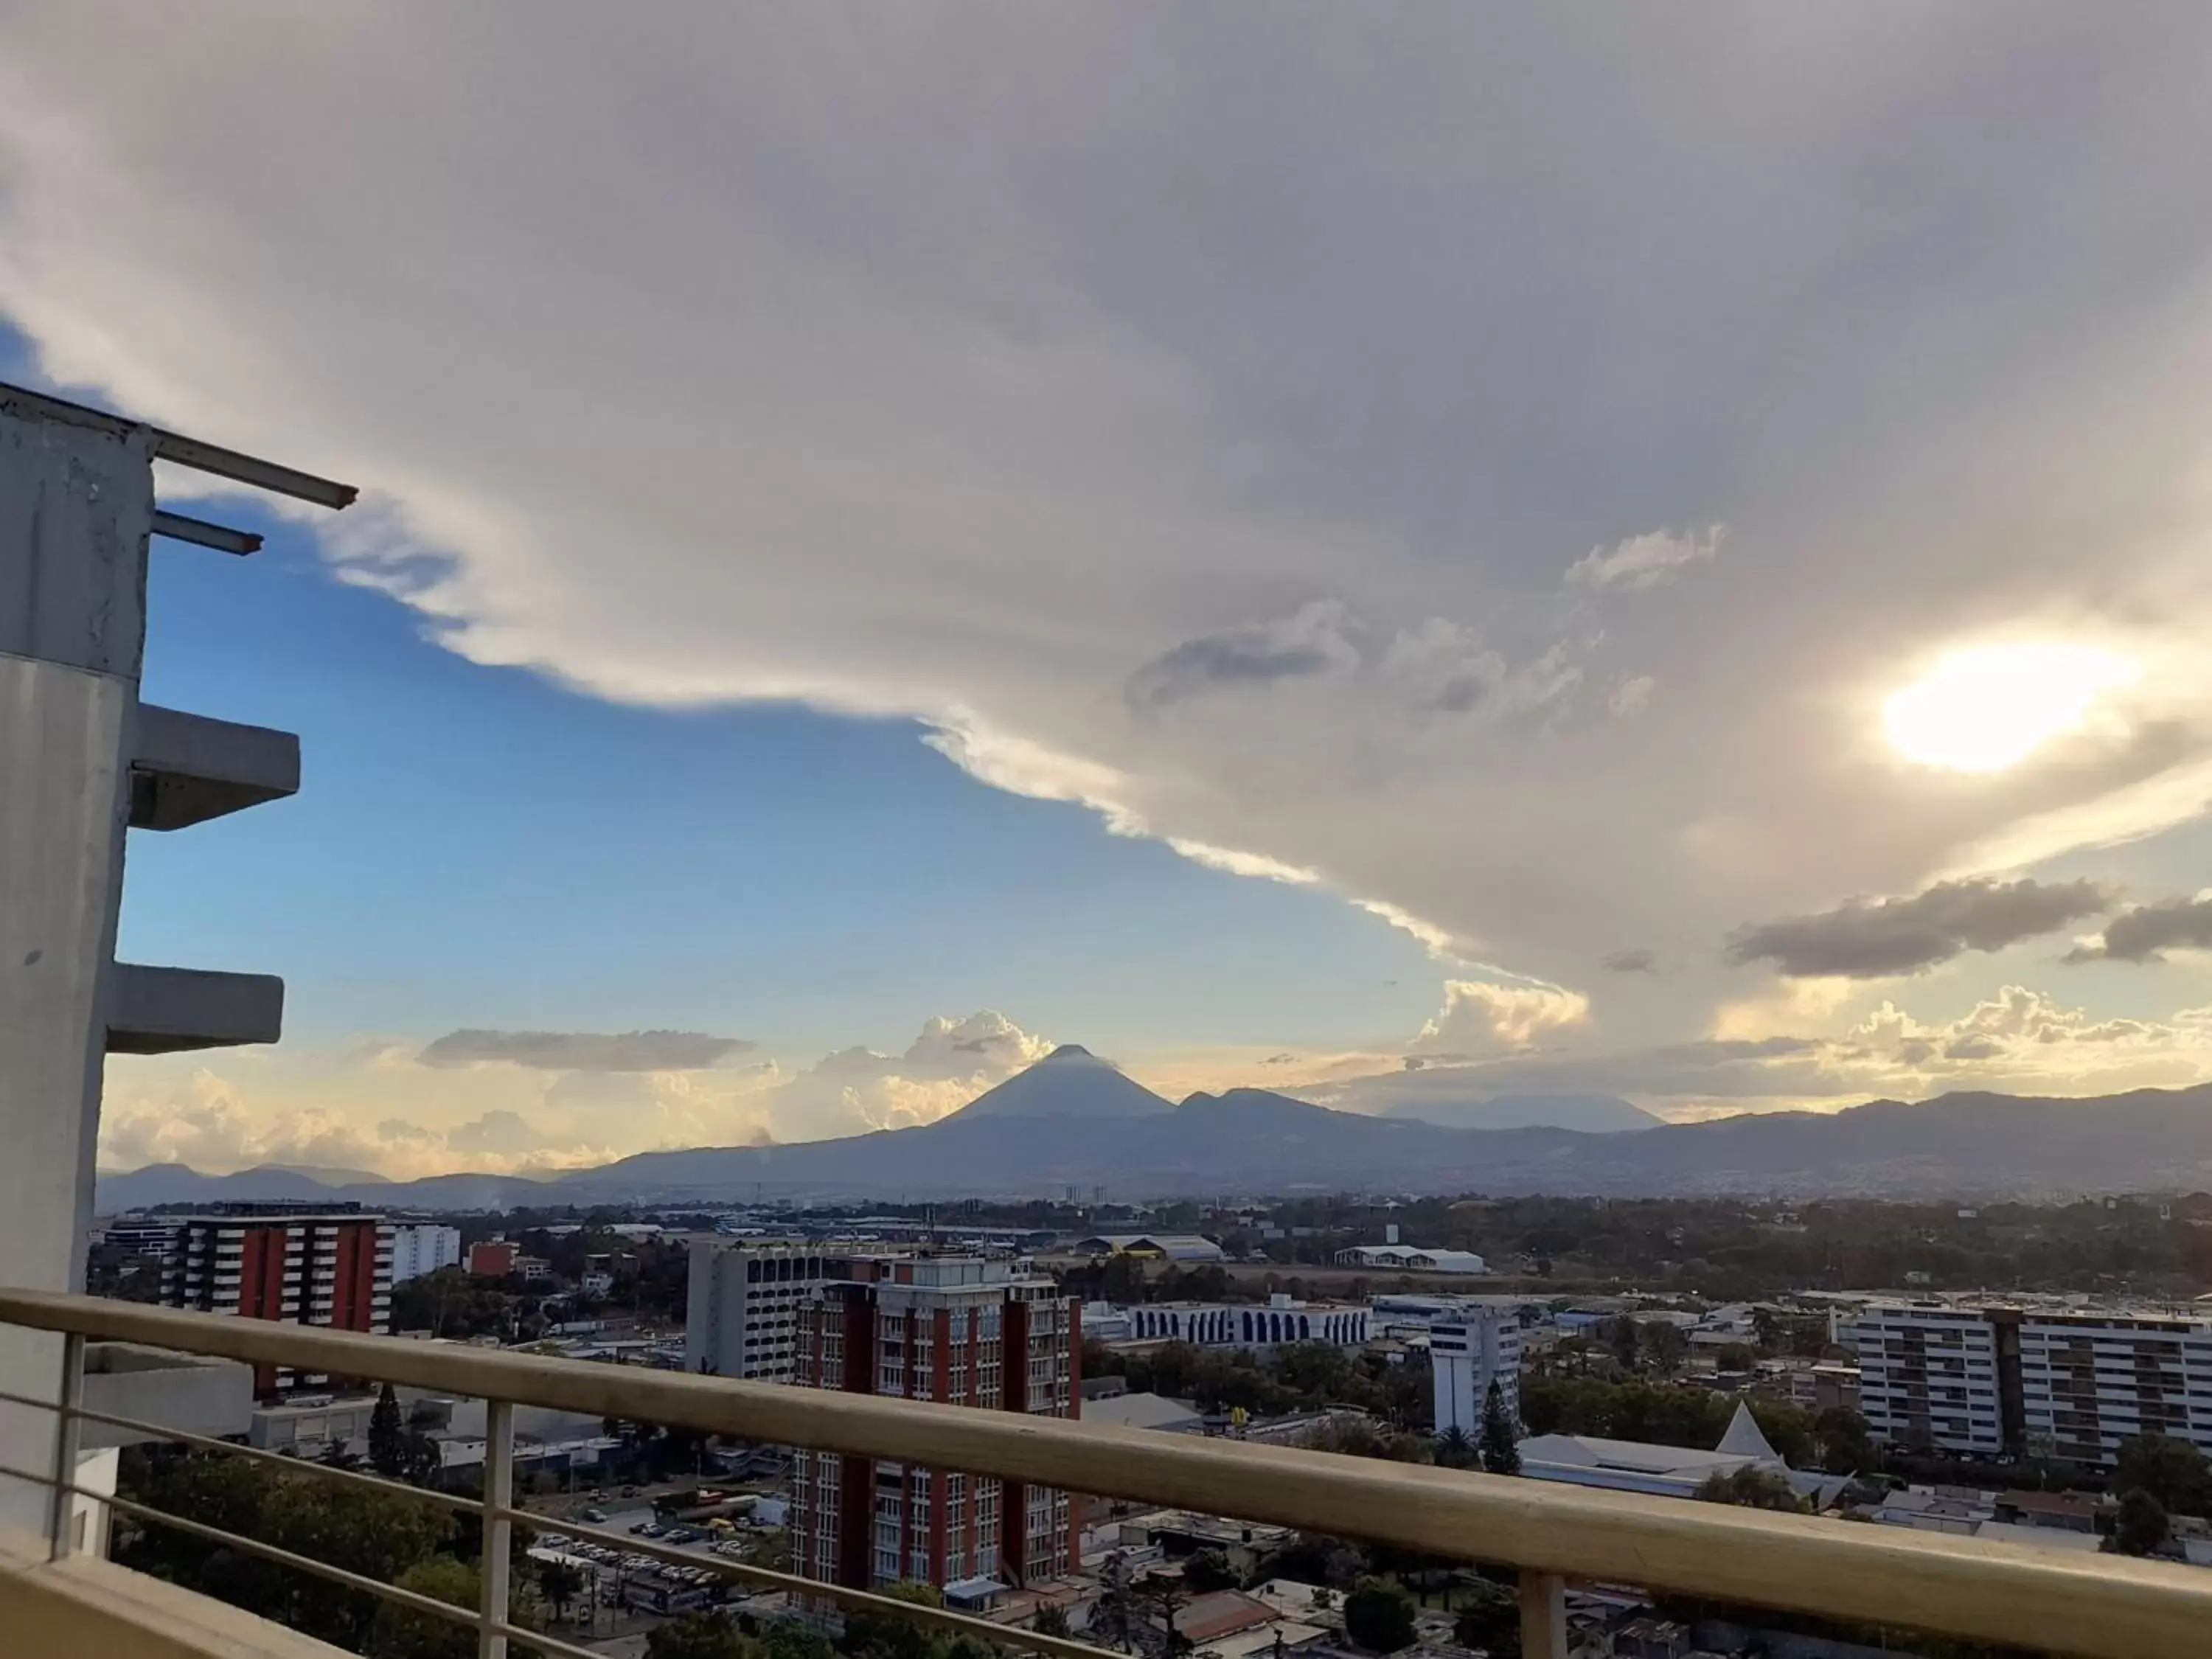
(1989, 707)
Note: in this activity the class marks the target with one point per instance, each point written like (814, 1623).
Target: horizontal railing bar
(2108, 1606)
(231, 1448)
(186, 452)
(553, 1644)
(182, 527)
(282, 1557)
(968, 1623)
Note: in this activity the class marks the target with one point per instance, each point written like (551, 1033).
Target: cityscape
(1139, 832)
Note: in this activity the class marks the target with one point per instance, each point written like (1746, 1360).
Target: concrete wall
(76, 506)
(178, 1391)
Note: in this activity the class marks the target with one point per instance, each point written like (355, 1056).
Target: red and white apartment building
(310, 1267)
(962, 1331)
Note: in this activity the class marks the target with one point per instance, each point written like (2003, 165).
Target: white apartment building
(1467, 1353)
(1928, 1376)
(2091, 1381)
(1235, 1325)
(2073, 1384)
(419, 1248)
(743, 1305)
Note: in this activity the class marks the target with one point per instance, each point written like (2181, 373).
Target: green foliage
(1456, 1451)
(560, 1584)
(401, 1632)
(885, 1636)
(1379, 1616)
(1501, 1451)
(787, 1638)
(1490, 1623)
(1303, 1377)
(2142, 1526)
(1208, 1570)
(710, 1635)
(387, 1437)
(1753, 1488)
(2172, 1471)
(1050, 1620)
(1669, 1414)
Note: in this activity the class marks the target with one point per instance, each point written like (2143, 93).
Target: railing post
(498, 1493)
(60, 1534)
(1543, 1615)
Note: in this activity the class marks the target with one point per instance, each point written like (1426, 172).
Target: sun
(1987, 708)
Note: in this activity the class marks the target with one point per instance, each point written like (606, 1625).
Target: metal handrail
(2109, 1607)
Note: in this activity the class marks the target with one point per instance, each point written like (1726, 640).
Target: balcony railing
(2111, 1607)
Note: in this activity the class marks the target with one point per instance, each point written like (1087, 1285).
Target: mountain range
(1073, 1121)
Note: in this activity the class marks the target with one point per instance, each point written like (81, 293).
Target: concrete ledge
(186, 768)
(160, 1010)
(90, 1606)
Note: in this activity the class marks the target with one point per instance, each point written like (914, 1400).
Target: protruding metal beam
(178, 527)
(162, 1011)
(187, 769)
(201, 457)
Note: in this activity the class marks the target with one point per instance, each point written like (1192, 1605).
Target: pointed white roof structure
(1743, 1438)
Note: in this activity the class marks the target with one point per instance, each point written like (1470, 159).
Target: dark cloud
(2144, 934)
(1861, 940)
(584, 1051)
(1300, 647)
(1632, 962)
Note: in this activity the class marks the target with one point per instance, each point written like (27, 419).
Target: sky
(1406, 553)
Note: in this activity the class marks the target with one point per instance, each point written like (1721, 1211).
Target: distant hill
(1591, 1114)
(1253, 1141)
(173, 1183)
(1069, 1082)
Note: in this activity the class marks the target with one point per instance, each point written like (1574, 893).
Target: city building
(1584, 1460)
(1998, 1379)
(153, 1237)
(1233, 1325)
(1467, 1354)
(493, 1258)
(422, 1247)
(960, 1330)
(744, 1298)
(332, 1267)
(1412, 1261)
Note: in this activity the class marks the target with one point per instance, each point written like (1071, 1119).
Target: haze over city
(1400, 561)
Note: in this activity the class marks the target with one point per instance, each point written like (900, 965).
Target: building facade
(419, 1248)
(1233, 1325)
(2000, 1379)
(1467, 1353)
(744, 1299)
(332, 1268)
(960, 1330)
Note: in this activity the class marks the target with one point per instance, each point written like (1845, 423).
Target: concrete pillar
(82, 761)
(75, 507)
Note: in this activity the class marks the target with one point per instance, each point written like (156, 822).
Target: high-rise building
(312, 1267)
(744, 1298)
(422, 1247)
(1996, 1380)
(962, 1331)
(1469, 1349)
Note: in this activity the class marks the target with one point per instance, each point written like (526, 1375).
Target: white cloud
(946, 1066)
(1479, 1016)
(978, 402)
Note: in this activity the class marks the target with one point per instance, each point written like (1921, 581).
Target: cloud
(2146, 933)
(1631, 961)
(857, 1088)
(1864, 940)
(1311, 643)
(1645, 561)
(584, 1051)
(1477, 1016)
(1151, 487)
(2020, 1025)
(501, 1134)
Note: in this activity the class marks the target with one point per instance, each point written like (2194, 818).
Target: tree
(1501, 1452)
(1667, 1346)
(1753, 1488)
(1490, 1624)
(560, 1584)
(697, 1636)
(1622, 1340)
(1163, 1598)
(403, 1632)
(1050, 1620)
(1379, 1616)
(1455, 1450)
(2172, 1471)
(1846, 1447)
(387, 1437)
(1765, 1329)
(1208, 1570)
(787, 1638)
(2142, 1526)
